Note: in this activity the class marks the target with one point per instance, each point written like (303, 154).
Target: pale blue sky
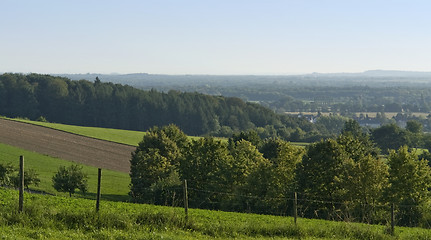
(214, 36)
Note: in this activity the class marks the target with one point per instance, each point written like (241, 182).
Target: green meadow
(114, 135)
(115, 185)
(57, 217)
(127, 137)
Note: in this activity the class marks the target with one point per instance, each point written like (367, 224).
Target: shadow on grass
(106, 197)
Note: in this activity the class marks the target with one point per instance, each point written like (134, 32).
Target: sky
(265, 37)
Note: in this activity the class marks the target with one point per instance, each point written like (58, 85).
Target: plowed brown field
(67, 146)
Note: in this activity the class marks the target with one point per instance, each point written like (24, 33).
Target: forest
(109, 105)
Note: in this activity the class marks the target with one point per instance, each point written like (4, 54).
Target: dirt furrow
(89, 151)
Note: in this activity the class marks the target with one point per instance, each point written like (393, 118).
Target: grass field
(114, 184)
(52, 217)
(300, 144)
(127, 137)
(114, 135)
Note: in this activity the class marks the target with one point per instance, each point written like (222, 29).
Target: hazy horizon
(372, 71)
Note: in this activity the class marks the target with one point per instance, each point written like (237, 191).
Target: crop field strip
(89, 151)
(127, 137)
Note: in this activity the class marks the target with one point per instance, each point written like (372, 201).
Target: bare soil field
(67, 146)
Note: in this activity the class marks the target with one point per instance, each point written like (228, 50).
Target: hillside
(66, 146)
(121, 136)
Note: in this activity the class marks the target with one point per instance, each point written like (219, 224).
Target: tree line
(258, 175)
(109, 105)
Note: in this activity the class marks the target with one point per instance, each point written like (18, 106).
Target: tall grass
(56, 217)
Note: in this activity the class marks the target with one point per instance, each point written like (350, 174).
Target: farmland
(114, 183)
(127, 137)
(75, 217)
(67, 146)
(28, 142)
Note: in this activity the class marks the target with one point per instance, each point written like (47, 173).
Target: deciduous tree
(154, 160)
(409, 184)
(68, 179)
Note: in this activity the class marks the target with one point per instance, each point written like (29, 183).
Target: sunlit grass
(115, 185)
(127, 137)
(51, 217)
(114, 135)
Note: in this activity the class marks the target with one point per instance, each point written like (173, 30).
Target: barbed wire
(232, 194)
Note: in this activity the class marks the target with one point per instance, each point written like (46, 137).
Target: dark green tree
(9, 176)
(390, 136)
(6, 172)
(345, 170)
(283, 160)
(68, 179)
(366, 176)
(409, 184)
(332, 124)
(322, 172)
(414, 126)
(250, 136)
(414, 133)
(351, 126)
(155, 160)
(249, 173)
(207, 167)
(30, 178)
(426, 141)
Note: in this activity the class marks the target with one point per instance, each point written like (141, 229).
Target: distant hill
(377, 73)
(142, 79)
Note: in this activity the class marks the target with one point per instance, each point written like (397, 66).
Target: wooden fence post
(21, 183)
(295, 207)
(393, 219)
(99, 178)
(186, 200)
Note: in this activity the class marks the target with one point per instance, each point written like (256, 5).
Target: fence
(22, 184)
(299, 205)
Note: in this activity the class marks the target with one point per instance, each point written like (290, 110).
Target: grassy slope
(50, 217)
(127, 137)
(114, 184)
(114, 135)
